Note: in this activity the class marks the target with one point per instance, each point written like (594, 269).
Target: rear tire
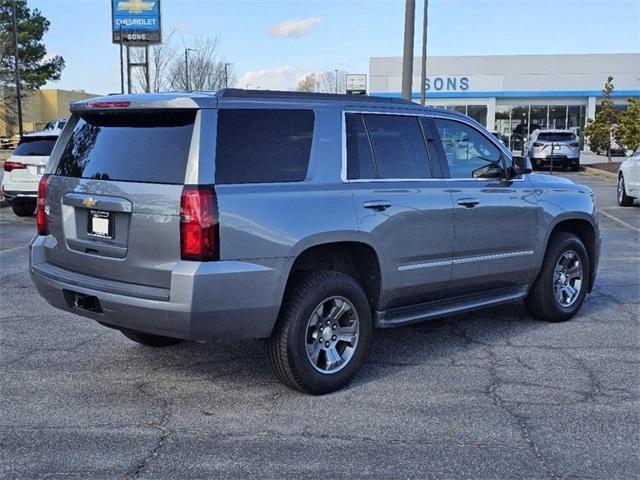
(561, 286)
(149, 340)
(575, 168)
(24, 209)
(624, 200)
(323, 332)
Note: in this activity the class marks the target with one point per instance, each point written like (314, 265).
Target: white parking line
(617, 220)
(13, 249)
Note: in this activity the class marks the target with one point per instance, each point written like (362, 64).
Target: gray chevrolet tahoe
(307, 219)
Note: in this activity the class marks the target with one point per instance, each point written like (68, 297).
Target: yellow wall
(42, 106)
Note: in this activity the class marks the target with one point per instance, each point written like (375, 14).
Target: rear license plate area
(100, 224)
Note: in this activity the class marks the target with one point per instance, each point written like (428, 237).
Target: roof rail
(230, 93)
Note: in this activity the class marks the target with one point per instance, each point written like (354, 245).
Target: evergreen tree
(600, 131)
(627, 132)
(36, 68)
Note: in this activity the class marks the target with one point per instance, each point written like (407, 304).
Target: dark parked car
(308, 219)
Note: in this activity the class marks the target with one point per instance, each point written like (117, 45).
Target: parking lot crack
(520, 420)
(161, 425)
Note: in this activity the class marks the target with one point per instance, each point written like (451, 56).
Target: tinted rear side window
(398, 146)
(35, 146)
(556, 136)
(359, 155)
(263, 146)
(140, 147)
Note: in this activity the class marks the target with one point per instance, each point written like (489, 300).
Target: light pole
(423, 77)
(17, 66)
(186, 66)
(407, 55)
(226, 74)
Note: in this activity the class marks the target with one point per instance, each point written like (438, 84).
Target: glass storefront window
(519, 125)
(537, 117)
(558, 116)
(478, 113)
(575, 120)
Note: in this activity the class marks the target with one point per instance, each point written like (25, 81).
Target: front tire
(624, 200)
(561, 286)
(149, 340)
(322, 335)
(23, 209)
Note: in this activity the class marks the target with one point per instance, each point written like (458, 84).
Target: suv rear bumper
(206, 300)
(558, 161)
(11, 195)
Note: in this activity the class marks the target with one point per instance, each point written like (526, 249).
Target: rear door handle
(377, 205)
(468, 202)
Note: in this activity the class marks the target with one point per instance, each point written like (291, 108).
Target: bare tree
(327, 82)
(167, 68)
(161, 56)
(308, 83)
(206, 68)
(324, 82)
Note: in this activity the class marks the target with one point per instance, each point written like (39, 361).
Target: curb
(600, 173)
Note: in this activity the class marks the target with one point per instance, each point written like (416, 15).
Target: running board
(399, 316)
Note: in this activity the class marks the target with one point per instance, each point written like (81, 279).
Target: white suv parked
(629, 180)
(23, 170)
(557, 148)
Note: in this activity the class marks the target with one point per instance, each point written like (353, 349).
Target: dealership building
(515, 94)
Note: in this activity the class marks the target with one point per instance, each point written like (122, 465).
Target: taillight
(538, 144)
(41, 211)
(199, 235)
(9, 166)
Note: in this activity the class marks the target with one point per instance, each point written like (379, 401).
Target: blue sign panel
(136, 22)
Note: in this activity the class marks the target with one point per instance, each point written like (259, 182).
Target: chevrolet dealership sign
(136, 22)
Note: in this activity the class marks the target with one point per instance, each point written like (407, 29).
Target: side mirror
(520, 166)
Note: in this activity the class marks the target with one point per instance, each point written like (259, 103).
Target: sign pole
(146, 68)
(128, 71)
(121, 63)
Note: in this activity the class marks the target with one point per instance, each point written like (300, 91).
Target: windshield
(35, 146)
(556, 136)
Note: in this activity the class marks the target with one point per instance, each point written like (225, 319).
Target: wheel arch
(357, 259)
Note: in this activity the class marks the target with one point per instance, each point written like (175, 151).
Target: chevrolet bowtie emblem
(135, 6)
(89, 202)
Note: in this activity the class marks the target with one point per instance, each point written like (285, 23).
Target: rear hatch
(114, 194)
(563, 143)
(33, 152)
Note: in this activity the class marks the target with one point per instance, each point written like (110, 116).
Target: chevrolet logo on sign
(136, 6)
(89, 202)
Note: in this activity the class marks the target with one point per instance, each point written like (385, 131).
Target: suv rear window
(556, 136)
(263, 145)
(147, 147)
(35, 146)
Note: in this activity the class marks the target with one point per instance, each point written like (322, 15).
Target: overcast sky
(274, 43)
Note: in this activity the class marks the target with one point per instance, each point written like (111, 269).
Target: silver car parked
(554, 148)
(308, 219)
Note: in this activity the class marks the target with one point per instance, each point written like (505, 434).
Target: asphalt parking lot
(495, 394)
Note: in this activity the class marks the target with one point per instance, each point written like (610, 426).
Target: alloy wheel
(332, 335)
(567, 278)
